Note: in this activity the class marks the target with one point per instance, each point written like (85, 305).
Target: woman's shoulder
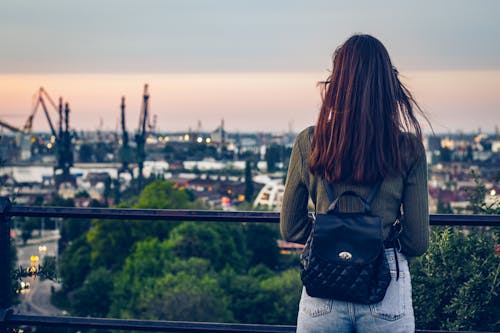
(305, 135)
(412, 149)
(410, 142)
(303, 139)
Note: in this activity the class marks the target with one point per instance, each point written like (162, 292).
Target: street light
(42, 249)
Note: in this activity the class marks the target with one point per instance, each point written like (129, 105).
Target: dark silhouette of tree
(249, 187)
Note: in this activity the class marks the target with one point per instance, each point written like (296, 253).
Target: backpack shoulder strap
(328, 189)
(373, 192)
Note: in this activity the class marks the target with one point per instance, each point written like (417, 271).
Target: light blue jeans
(393, 314)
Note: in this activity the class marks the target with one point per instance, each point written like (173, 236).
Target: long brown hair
(364, 111)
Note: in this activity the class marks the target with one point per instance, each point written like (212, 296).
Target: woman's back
(407, 188)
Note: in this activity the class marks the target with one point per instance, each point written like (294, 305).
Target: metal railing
(8, 319)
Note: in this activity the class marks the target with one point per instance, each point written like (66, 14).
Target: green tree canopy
(156, 285)
(221, 244)
(111, 241)
(456, 283)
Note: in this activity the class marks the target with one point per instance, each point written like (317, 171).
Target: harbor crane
(140, 136)
(125, 152)
(39, 100)
(64, 152)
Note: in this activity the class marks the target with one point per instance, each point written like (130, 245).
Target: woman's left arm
(294, 218)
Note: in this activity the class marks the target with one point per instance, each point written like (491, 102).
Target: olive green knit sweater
(407, 190)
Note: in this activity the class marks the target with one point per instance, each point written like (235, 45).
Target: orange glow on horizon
(247, 101)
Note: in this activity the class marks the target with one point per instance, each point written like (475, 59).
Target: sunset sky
(253, 63)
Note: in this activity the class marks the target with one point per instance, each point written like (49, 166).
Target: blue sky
(227, 35)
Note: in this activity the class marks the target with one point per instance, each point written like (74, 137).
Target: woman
(366, 131)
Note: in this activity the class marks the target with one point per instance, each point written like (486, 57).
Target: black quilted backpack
(344, 256)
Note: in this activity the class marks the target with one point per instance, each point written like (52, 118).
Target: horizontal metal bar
(211, 215)
(157, 325)
(144, 214)
(142, 325)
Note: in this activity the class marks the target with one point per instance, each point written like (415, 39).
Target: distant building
(270, 196)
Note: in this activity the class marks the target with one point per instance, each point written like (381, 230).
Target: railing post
(5, 278)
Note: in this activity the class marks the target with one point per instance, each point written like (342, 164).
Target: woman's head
(365, 108)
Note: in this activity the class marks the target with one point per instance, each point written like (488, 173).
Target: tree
(28, 225)
(451, 293)
(221, 244)
(249, 188)
(272, 157)
(75, 264)
(477, 195)
(112, 241)
(261, 244)
(263, 295)
(186, 296)
(93, 298)
(154, 284)
(457, 282)
(279, 299)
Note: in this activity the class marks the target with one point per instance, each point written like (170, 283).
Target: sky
(253, 63)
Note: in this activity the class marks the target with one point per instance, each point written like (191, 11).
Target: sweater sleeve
(415, 234)
(294, 221)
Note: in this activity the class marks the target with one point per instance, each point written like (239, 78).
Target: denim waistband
(390, 255)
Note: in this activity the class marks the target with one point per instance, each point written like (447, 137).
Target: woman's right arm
(294, 222)
(415, 234)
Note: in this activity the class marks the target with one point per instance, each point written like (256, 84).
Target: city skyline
(255, 64)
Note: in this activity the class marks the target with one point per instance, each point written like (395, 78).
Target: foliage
(192, 293)
(50, 267)
(180, 271)
(28, 225)
(14, 280)
(249, 187)
(111, 241)
(456, 283)
(145, 263)
(154, 284)
(261, 243)
(222, 244)
(263, 295)
(75, 264)
(477, 195)
(93, 297)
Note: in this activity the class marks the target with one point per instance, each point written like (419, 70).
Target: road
(36, 301)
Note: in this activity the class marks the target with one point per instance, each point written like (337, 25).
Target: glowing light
(186, 137)
(493, 193)
(199, 140)
(42, 249)
(49, 145)
(208, 140)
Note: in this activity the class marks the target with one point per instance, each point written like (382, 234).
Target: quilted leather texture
(359, 283)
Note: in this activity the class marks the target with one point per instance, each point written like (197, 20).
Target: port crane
(64, 152)
(39, 100)
(125, 152)
(62, 137)
(140, 136)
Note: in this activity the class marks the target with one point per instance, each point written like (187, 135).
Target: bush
(456, 283)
